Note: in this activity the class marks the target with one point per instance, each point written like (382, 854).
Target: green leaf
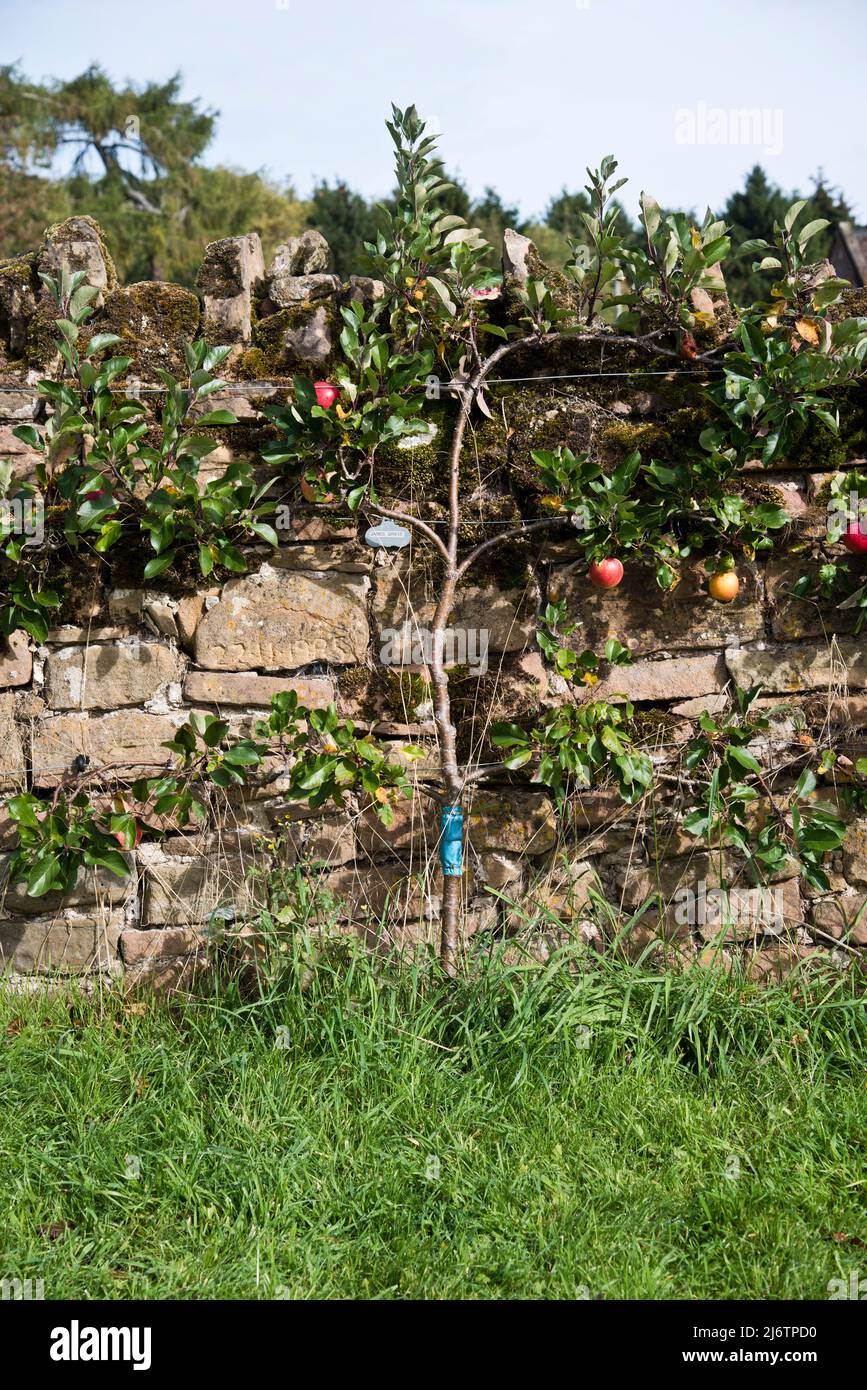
(158, 564)
(518, 759)
(310, 781)
(22, 810)
(42, 876)
(743, 758)
(443, 293)
(242, 755)
(505, 735)
(806, 783)
(265, 532)
(113, 860)
(215, 733)
(217, 417)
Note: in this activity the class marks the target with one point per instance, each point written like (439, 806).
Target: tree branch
(514, 533)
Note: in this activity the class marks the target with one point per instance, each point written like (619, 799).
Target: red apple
(605, 574)
(326, 394)
(118, 835)
(855, 539)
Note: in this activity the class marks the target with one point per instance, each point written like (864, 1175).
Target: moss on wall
(153, 321)
(18, 289)
(277, 348)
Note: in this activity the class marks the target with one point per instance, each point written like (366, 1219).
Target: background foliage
(70, 147)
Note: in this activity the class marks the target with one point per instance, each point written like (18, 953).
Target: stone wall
(126, 663)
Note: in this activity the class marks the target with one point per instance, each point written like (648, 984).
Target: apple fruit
(326, 394)
(119, 836)
(855, 539)
(605, 574)
(724, 586)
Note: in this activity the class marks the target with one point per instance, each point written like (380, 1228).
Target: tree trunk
(451, 897)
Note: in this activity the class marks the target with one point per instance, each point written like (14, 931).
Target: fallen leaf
(55, 1229)
(843, 1239)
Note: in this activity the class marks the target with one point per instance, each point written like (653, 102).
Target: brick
(648, 620)
(679, 678)
(107, 676)
(144, 948)
(811, 666)
(187, 890)
(97, 887)
(122, 737)
(12, 764)
(72, 945)
(248, 688)
(16, 661)
(278, 620)
(513, 821)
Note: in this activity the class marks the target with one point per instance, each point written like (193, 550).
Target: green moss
(669, 440)
(275, 350)
(407, 690)
(509, 566)
(504, 692)
(622, 437)
(816, 447)
(383, 693)
(42, 336)
(561, 288)
(541, 417)
(218, 274)
(418, 468)
(252, 364)
(353, 680)
(655, 726)
(20, 271)
(18, 288)
(757, 492)
(153, 320)
(852, 304)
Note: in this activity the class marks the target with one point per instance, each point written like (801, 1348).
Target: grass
(382, 1134)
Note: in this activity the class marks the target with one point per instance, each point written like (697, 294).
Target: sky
(526, 93)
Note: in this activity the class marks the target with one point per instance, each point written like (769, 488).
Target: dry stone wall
(127, 661)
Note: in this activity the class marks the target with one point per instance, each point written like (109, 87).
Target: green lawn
(540, 1134)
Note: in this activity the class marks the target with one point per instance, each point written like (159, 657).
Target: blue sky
(526, 92)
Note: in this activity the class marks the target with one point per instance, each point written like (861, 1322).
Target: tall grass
(367, 1129)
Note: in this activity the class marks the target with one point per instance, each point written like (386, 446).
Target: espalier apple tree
(436, 322)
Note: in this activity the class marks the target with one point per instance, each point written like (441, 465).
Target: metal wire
(263, 387)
